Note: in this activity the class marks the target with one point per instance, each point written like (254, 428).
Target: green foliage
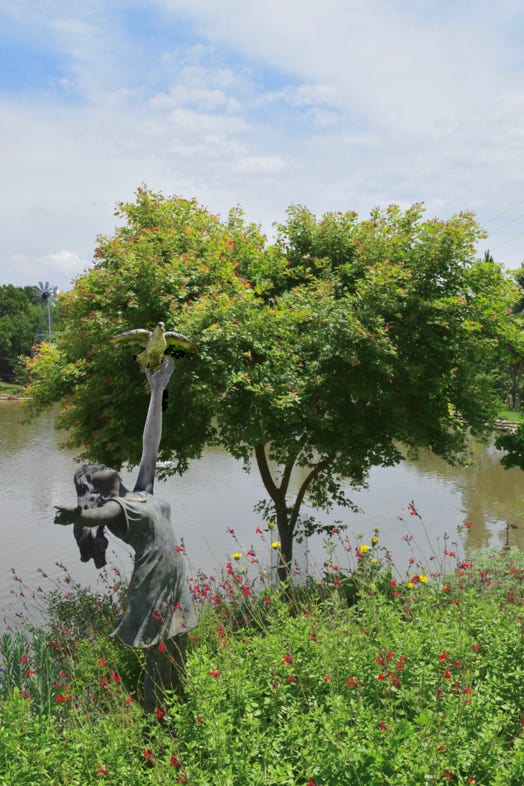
(513, 444)
(318, 355)
(19, 315)
(409, 682)
(510, 362)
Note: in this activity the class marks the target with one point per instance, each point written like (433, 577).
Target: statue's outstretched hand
(66, 515)
(158, 379)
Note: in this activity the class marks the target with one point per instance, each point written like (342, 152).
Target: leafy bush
(357, 678)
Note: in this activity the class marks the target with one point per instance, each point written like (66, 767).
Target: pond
(216, 495)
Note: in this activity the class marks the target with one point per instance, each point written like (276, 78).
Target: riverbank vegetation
(9, 390)
(360, 677)
(19, 319)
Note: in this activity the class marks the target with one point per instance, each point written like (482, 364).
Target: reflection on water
(491, 496)
(216, 494)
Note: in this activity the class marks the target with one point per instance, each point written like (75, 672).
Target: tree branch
(315, 472)
(265, 473)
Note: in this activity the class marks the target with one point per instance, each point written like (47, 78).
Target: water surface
(217, 495)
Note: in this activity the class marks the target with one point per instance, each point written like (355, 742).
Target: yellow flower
(410, 585)
(374, 540)
(423, 578)
(236, 555)
(363, 548)
(373, 560)
(275, 544)
(243, 569)
(270, 524)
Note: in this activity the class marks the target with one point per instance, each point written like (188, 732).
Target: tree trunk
(286, 517)
(285, 534)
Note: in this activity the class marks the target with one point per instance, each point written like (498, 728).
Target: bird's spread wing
(138, 336)
(178, 340)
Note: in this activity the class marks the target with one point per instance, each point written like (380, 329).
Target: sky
(333, 104)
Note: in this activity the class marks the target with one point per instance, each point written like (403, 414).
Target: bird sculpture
(155, 344)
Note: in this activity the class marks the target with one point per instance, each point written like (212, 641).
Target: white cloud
(59, 268)
(343, 104)
(263, 165)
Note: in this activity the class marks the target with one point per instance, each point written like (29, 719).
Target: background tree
(321, 355)
(513, 445)
(509, 363)
(19, 316)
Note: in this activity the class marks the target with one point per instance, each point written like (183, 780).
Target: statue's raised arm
(158, 381)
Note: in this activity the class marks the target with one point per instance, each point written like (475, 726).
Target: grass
(511, 415)
(8, 389)
(358, 677)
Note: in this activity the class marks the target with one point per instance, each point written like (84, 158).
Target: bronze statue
(159, 610)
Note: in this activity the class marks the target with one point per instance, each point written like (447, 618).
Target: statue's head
(95, 484)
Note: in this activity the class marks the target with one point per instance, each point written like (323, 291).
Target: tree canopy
(513, 445)
(19, 316)
(326, 352)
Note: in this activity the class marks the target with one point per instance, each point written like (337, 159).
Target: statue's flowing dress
(159, 605)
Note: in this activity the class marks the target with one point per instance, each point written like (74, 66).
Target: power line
(511, 221)
(509, 240)
(504, 212)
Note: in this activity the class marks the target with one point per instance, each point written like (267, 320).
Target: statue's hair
(88, 495)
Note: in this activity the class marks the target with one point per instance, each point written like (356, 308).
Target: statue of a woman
(159, 610)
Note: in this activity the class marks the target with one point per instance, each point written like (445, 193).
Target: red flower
(116, 677)
(290, 678)
(382, 725)
(147, 754)
(159, 713)
(62, 698)
(161, 647)
(443, 655)
(352, 683)
(102, 771)
(214, 673)
(102, 662)
(447, 675)
(447, 775)
(311, 782)
(174, 761)
(287, 658)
